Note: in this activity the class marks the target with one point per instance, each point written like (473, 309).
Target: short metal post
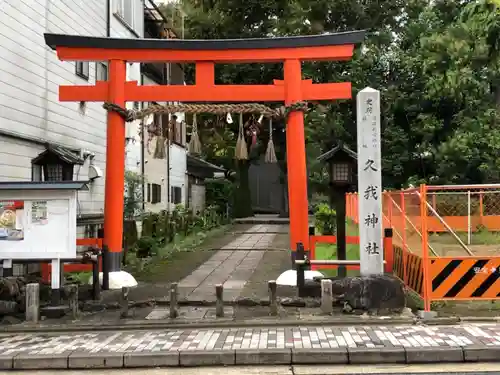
(219, 301)
(105, 268)
(273, 303)
(308, 254)
(326, 296)
(469, 219)
(33, 302)
(124, 302)
(96, 284)
(173, 301)
(104, 261)
(300, 269)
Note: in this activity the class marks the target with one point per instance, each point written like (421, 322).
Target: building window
(101, 71)
(82, 69)
(148, 193)
(125, 10)
(36, 172)
(176, 193)
(155, 193)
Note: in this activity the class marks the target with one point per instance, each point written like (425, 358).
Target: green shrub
(325, 219)
(161, 229)
(146, 246)
(218, 193)
(133, 199)
(317, 200)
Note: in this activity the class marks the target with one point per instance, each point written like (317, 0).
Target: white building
(164, 158)
(127, 21)
(42, 138)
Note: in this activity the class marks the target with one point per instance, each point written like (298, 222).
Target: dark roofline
(340, 147)
(44, 185)
(62, 40)
(197, 162)
(63, 153)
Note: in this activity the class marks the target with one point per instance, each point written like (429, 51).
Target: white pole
(469, 229)
(369, 182)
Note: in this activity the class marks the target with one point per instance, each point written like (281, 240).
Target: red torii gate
(205, 54)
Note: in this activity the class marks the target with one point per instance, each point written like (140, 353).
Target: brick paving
(253, 346)
(232, 266)
(254, 338)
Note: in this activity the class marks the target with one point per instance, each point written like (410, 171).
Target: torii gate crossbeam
(291, 51)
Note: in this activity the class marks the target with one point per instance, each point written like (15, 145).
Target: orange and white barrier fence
(444, 239)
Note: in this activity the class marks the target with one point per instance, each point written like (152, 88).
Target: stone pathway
(258, 345)
(268, 228)
(232, 266)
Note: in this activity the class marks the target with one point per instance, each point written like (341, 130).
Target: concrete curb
(141, 325)
(144, 325)
(194, 358)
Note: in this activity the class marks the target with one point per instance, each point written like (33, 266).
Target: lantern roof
(340, 150)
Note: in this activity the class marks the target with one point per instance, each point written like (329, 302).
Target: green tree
(436, 64)
(448, 62)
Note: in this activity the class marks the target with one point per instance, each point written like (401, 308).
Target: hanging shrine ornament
(194, 146)
(249, 130)
(270, 152)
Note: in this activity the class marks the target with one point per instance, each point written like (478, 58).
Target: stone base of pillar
(289, 278)
(118, 280)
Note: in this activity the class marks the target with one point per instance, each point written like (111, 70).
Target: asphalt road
(441, 369)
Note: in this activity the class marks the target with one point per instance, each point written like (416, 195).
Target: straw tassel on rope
(270, 152)
(241, 152)
(159, 152)
(194, 142)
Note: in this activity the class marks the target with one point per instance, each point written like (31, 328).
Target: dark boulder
(382, 293)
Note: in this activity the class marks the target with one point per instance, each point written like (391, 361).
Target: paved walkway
(232, 266)
(229, 346)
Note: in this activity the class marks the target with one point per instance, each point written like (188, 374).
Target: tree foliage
(436, 64)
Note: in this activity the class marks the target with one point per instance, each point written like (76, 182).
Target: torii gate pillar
(112, 277)
(296, 158)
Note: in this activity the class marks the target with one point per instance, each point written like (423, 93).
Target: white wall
(155, 170)
(178, 167)
(197, 197)
(135, 29)
(30, 75)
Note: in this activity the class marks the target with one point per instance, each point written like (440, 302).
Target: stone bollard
(273, 303)
(326, 296)
(73, 300)
(173, 301)
(219, 301)
(124, 302)
(32, 302)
